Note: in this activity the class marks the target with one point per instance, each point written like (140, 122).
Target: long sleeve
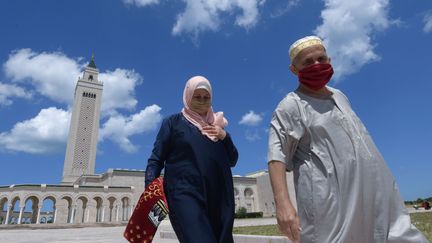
(159, 153)
(231, 149)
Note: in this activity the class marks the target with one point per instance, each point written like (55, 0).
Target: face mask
(316, 76)
(200, 107)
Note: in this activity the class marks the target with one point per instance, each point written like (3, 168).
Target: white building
(86, 197)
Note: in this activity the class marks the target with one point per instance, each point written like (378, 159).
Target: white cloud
(250, 13)
(54, 75)
(48, 131)
(201, 15)
(290, 4)
(45, 133)
(347, 30)
(119, 90)
(49, 73)
(252, 135)
(251, 119)
(119, 128)
(141, 3)
(428, 23)
(7, 91)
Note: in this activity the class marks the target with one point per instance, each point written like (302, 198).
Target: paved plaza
(113, 234)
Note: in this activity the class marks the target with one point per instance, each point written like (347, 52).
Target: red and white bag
(151, 209)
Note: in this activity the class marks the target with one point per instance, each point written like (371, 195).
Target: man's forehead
(311, 49)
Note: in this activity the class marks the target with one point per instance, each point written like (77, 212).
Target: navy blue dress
(197, 181)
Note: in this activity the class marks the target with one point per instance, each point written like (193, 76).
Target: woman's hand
(216, 131)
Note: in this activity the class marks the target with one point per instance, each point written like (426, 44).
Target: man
(345, 192)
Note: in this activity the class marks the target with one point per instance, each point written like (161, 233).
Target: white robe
(345, 191)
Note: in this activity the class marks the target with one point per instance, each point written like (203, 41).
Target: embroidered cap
(303, 43)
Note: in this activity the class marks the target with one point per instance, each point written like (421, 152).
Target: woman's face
(201, 101)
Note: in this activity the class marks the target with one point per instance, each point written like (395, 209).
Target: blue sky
(146, 50)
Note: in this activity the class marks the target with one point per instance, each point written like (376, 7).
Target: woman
(197, 154)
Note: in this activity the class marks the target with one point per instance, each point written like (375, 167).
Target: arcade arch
(125, 208)
(48, 210)
(31, 210)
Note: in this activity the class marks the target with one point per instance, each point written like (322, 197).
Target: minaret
(84, 127)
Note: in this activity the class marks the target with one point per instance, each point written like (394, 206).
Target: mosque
(110, 197)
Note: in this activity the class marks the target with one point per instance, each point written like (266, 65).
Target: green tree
(241, 212)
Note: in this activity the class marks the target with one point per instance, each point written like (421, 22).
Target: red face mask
(316, 76)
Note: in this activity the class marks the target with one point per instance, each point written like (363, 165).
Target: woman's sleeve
(231, 149)
(159, 153)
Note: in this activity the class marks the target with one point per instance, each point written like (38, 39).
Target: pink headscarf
(196, 119)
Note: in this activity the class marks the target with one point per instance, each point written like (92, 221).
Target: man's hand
(288, 222)
(286, 215)
(216, 131)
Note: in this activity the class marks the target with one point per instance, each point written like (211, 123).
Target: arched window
(98, 201)
(125, 209)
(67, 202)
(112, 209)
(81, 208)
(30, 210)
(3, 209)
(48, 208)
(236, 191)
(248, 193)
(15, 210)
